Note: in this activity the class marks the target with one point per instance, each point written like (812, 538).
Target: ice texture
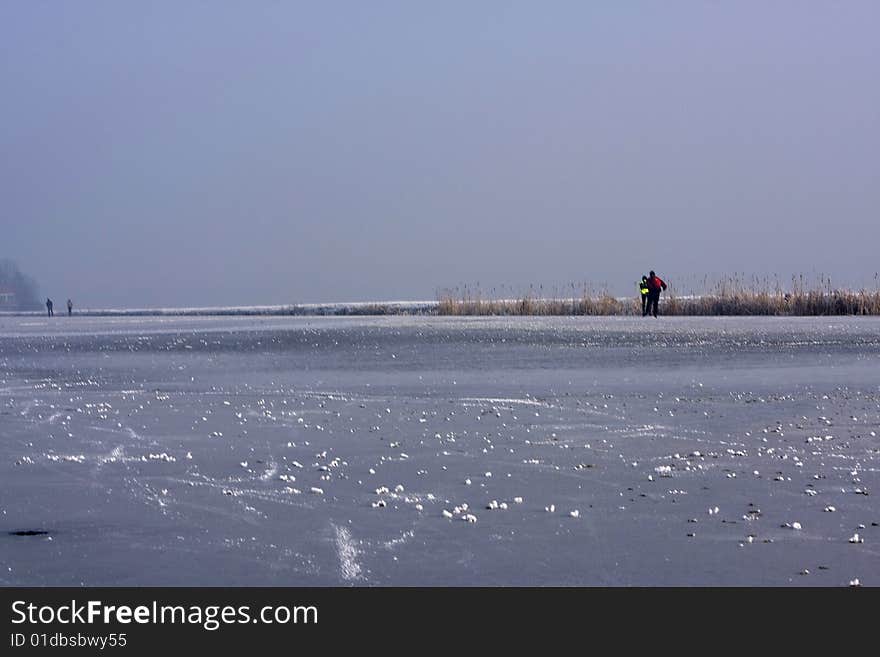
(420, 450)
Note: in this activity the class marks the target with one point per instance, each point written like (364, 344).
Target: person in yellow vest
(643, 290)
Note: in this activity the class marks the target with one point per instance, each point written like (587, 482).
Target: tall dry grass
(535, 301)
(731, 295)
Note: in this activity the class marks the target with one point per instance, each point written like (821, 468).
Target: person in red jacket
(655, 286)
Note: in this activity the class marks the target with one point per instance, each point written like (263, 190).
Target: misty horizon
(175, 154)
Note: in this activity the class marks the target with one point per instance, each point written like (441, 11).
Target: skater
(643, 293)
(49, 307)
(69, 308)
(655, 286)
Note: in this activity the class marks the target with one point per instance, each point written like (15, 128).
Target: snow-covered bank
(349, 308)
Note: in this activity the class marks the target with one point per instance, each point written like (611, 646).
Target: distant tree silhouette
(21, 285)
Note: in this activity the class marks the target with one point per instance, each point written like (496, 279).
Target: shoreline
(742, 304)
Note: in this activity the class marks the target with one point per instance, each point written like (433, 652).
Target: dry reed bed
(728, 301)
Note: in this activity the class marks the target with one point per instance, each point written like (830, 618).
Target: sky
(182, 153)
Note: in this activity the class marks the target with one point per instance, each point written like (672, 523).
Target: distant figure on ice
(69, 307)
(643, 293)
(655, 286)
(49, 307)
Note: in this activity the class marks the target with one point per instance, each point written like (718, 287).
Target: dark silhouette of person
(69, 307)
(643, 293)
(49, 307)
(655, 286)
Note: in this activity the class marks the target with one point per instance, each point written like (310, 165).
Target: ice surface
(348, 451)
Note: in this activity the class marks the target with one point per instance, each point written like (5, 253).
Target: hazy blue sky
(168, 153)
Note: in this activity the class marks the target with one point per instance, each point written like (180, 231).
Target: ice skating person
(643, 293)
(49, 307)
(655, 286)
(69, 307)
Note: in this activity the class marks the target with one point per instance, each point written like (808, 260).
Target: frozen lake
(325, 451)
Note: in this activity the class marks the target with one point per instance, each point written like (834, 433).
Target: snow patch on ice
(494, 400)
(270, 472)
(348, 554)
(403, 538)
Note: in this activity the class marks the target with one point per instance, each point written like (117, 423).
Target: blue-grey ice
(439, 451)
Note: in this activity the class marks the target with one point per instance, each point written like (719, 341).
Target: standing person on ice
(643, 293)
(655, 286)
(69, 307)
(49, 307)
